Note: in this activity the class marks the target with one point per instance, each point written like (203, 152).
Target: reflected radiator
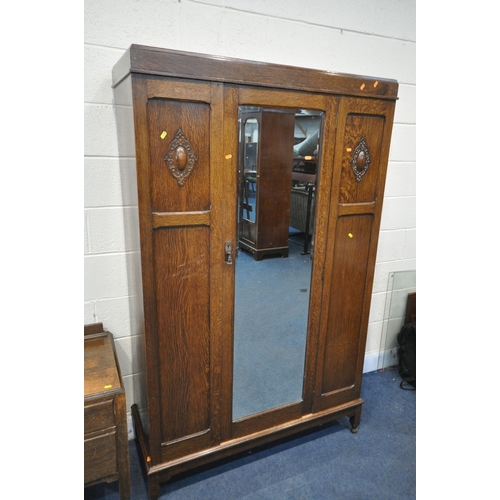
(298, 210)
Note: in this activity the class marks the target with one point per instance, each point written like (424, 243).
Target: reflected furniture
(302, 210)
(270, 178)
(304, 174)
(178, 113)
(106, 449)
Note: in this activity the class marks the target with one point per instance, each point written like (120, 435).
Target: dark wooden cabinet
(183, 120)
(106, 454)
(267, 179)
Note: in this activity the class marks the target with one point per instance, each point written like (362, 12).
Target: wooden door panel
(178, 163)
(183, 294)
(352, 241)
(361, 150)
(360, 166)
(179, 134)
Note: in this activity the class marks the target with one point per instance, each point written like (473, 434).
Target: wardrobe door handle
(229, 253)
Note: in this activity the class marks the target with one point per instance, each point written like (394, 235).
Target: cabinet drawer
(99, 416)
(100, 457)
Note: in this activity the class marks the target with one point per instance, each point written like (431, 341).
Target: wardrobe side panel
(124, 112)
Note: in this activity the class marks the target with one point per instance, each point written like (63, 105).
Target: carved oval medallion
(361, 160)
(181, 158)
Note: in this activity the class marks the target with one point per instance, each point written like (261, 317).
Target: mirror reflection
(277, 177)
(250, 143)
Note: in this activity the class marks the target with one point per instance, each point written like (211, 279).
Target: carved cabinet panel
(177, 131)
(226, 333)
(361, 156)
(364, 123)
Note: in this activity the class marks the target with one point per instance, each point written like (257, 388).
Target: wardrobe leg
(154, 488)
(355, 420)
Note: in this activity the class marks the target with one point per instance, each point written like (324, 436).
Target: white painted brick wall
(363, 37)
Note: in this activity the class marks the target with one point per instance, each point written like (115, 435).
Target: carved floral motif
(180, 158)
(360, 160)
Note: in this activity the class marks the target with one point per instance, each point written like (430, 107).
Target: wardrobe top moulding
(139, 59)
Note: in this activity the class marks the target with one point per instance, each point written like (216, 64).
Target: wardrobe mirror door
(277, 173)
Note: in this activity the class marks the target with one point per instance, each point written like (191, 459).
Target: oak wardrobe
(241, 351)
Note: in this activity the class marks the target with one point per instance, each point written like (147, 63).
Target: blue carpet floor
(329, 462)
(270, 330)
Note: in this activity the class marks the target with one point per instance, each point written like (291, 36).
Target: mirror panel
(274, 263)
